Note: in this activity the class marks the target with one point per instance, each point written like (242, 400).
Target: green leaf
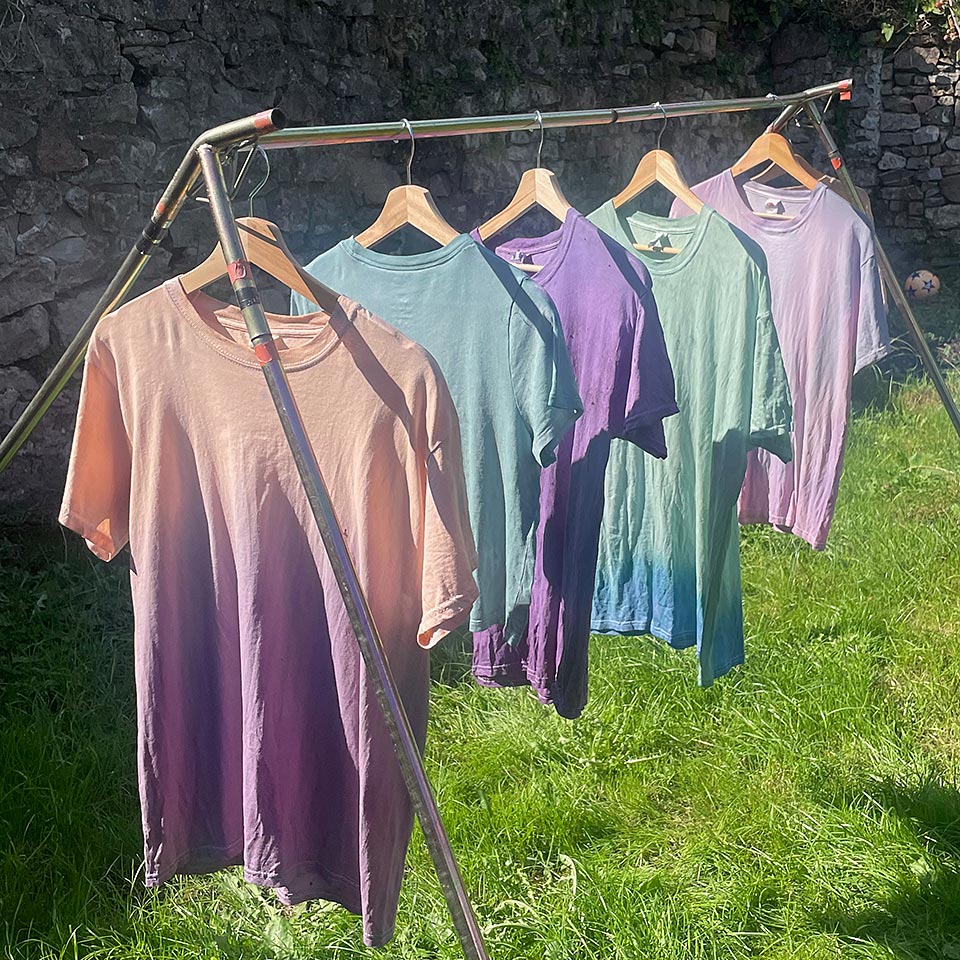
(886, 31)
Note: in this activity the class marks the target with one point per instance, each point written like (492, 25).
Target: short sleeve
(448, 588)
(96, 500)
(771, 409)
(650, 394)
(873, 337)
(543, 382)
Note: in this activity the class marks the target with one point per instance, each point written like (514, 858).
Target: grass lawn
(806, 806)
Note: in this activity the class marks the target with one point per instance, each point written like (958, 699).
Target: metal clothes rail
(205, 159)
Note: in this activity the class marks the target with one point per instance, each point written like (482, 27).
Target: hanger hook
(266, 176)
(783, 132)
(663, 126)
(413, 149)
(539, 119)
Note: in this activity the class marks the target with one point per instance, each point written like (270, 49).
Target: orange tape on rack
(836, 163)
(237, 270)
(262, 353)
(262, 120)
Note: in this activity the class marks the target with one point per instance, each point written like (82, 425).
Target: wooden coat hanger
(658, 166)
(538, 187)
(772, 171)
(774, 148)
(264, 247)
(408, 205)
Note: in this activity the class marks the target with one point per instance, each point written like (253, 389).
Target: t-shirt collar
(625, 230)
(558, 241)
(745, 216)
(198, 307)
(413, 261)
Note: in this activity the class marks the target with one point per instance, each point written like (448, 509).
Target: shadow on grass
(921, 919)
(451, 660)
(70, 821)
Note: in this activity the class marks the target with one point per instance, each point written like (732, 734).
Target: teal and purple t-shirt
(497, 339)
(830, 319)
(619, 358)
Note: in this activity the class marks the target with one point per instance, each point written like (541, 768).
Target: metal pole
(893, 284)
(463, 126)
(156, 229)
(843, 88)
(404, 743)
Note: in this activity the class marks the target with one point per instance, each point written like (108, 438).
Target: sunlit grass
(805, 806)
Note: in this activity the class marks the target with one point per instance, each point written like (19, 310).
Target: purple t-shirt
(828, 311)
(619, 358)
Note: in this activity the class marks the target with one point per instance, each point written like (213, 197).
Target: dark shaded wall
(101, 99)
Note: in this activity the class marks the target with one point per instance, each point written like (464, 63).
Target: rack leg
(57, 379)
(166, 210)
(411, 762)
(893, 284)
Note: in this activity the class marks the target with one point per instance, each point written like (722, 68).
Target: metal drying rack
(266, 130)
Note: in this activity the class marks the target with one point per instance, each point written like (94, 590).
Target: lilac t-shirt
(619, 358)
(828, 311)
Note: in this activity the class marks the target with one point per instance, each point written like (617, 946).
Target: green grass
(806, 806)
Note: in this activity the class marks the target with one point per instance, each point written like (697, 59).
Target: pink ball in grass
(922, 285)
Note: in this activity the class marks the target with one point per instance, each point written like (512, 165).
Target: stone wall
(101, 99)
(901, 135)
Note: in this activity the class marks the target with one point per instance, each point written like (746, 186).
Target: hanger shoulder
(658, 166)
(425, 215)
(775, 148)
(265, 247)
(411, 205)
(549, 193)
(205, 273)
(538, 187)
(391, 218)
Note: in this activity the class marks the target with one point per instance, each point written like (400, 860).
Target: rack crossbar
(290, 137)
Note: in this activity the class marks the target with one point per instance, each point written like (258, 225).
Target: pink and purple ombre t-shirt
(619, 358)
(260, 741)
(830, 319)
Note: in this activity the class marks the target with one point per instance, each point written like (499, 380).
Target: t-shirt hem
(719, 671)
(333, 887)
(818, 541)
(511, 677)
(680, 640)
(206, 859)
(99, 544)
